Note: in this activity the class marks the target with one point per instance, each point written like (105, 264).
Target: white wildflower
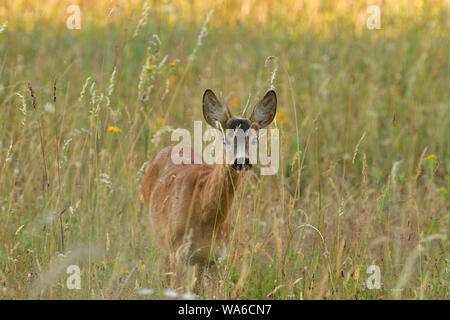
(105, 178)
(144, 165)
(23, 109)
(157, 136)
(274, 71)
(143, 21)
(49, 107)
(188, 296)
(83, 90)
(170, 293)
(202, 34)
(3, 27)
(146, 292)
(8, 155)
(111, 82)
(163, 61)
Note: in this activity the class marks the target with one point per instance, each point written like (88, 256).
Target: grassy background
(364, 121)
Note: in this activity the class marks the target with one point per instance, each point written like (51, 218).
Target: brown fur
(189, 204)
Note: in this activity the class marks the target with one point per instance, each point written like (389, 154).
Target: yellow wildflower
(281, 116)
(172, 81)
(114, 129)
(234, 102)
(159, 119)
(172, 64)
(431, 157)
(149, 68)
(442, 191)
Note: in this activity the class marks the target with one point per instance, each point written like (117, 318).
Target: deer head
(237, 138)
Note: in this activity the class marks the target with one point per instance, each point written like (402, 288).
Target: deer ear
(213, 111)
(265, 110)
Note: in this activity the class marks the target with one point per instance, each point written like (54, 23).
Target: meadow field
(363, 114)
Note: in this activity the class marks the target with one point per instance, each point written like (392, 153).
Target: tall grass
(364, 121)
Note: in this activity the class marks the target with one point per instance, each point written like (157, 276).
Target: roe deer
(189, 204)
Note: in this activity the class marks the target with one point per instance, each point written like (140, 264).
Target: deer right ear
(265, 110)
(213, 111)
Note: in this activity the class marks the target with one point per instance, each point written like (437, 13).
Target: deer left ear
(213, 111)
(265, 110)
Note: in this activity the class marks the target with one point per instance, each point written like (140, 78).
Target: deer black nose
(241, 163)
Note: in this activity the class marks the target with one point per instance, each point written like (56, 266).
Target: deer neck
(219, 191)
